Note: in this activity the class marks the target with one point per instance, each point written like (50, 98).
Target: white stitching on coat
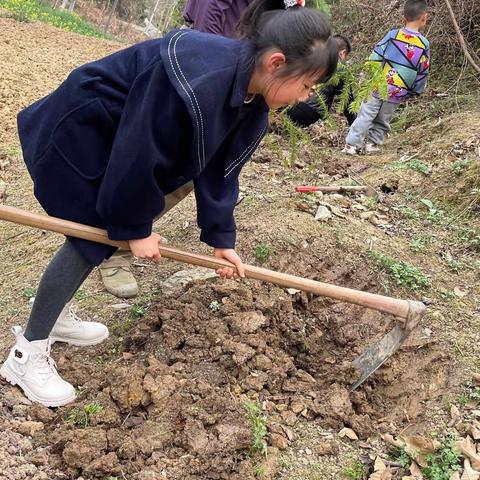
(248, 151)
(201, 135)
(199, 122)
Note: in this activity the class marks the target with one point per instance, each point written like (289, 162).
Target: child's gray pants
(373, 122)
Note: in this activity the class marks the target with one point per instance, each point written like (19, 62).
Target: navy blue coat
(120, 133)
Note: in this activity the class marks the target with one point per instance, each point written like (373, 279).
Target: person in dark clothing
(121, 134)
(222, 16)
(307, 113)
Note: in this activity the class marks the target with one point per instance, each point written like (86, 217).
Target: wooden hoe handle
(408, 310)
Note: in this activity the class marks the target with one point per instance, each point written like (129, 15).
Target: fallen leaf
(417, 447)
(474, 431)
(467, 447)
(415, 471)
(469, 473)
(476, 378)
(381, 471)
(389, 439)
(337, 212)
(349, 433)
(455, 476)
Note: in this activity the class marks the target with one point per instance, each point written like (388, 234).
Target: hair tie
(294, 3)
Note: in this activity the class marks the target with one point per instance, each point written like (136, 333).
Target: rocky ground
(216, 379)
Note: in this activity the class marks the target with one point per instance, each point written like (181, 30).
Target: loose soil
(173, 384)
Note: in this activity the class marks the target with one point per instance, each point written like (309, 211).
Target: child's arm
(215, 18)
(378, 54)
(423, 70)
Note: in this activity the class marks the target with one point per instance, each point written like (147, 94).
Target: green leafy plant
(80, 294)
(263, 253)
(137, 311)
(29, 292)
(403, 273)
(258, 423)
(215, 306)
(459, 166)
(82, 417)
(419, 244)
(414, 164)
(468, 395)
(443, 464)
(297, 137)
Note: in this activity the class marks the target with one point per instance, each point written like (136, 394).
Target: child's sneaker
(350, 149)
(71, 329)
(30, 366)
(371, 148)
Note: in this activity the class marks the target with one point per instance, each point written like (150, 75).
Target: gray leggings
(62, 278)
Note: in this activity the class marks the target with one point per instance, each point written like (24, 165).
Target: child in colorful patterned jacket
(405, 58)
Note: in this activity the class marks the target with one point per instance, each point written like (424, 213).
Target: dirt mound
(176, 402)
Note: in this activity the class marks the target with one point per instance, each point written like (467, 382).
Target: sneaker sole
(79, 343)
(11, 378)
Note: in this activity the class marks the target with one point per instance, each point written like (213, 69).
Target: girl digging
(120, 134)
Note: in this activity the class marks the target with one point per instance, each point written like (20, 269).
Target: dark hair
(414, 9)
(343, 43)
(303, 35)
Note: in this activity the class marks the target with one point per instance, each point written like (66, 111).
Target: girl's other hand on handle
(147, 247)
(231, 255)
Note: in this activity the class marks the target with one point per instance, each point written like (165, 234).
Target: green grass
(419, 244)
(29, 292)
(35, 10)
(404, 274)
(459, 166)
(354, 471)
(258, 423)
(83, 417)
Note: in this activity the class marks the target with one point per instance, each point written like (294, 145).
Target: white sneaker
(371, 148)
(71, 329)
(350, 149)
(30, 366)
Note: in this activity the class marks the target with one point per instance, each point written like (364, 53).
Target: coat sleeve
(216, 197)
(129, 196)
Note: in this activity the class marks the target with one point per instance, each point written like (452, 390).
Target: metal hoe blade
(373, 358)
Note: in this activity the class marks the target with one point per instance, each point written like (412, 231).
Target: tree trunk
(109, 19)
(463, 44)
(72, 5)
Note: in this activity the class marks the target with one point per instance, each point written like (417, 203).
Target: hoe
(407, 312)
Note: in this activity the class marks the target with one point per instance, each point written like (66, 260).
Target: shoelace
(44, 363)
(72, 314)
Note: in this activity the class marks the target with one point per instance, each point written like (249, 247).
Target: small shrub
(403, 273)
(258, 423)
(263, 253)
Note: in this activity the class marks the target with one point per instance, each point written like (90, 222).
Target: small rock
(20, 410)
(323, 213)
(327, 448)
(289, 417)
(29, 428)
(120, 306)
(308, 451)
(278, 441)
(180, 279)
